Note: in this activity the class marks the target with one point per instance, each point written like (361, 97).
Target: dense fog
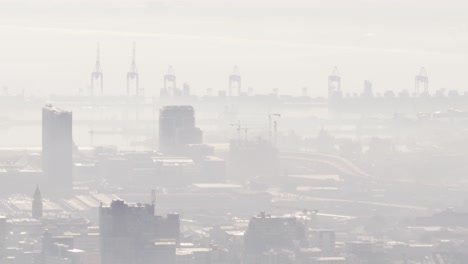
(233, 132)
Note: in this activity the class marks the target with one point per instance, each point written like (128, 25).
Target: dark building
(266, 233)
(130, 232)
(177, 129)
(57, 149)
(37, 204)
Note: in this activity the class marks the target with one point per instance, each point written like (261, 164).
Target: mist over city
(233, 132)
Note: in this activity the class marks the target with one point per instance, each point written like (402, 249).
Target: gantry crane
(132, 74)
(421, 78)
(235, 82)
(97, 75)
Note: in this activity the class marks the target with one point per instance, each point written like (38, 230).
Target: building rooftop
(317, 177)
(217, 186)
(56, 110)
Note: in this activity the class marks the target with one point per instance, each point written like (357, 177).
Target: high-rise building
(3, 236)
(130, 233)
(37, 204)
(266, 233)
(177, 129)
(57, 149)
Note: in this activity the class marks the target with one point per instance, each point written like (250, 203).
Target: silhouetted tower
(235, 81)
(334, 84)
(97, 75)
(132, 74)
(421, 78)
(37, 204)
(170, 82)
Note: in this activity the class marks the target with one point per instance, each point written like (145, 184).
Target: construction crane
(235, 81)
(97, 75)
(421, 78)
(334, 83)
(239, 129)
(132, 74)
(170, 82)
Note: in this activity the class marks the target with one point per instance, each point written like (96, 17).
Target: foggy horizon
(277, 45)
(233, 132)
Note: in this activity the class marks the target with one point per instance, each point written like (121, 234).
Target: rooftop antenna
(132, 74)
(97, 75)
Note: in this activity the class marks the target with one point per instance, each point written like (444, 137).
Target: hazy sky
(50, 45)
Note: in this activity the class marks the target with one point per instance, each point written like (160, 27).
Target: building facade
(57, 149)
(177, 129)
(130, 233)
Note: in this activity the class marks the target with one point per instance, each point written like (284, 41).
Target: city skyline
(284, 47)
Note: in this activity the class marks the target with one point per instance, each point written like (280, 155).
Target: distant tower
(169, 83)
(334, 84)
(96, 75)
(421, 78)
(133, 75)
(37, 204)
(57, 149)
(235, 81)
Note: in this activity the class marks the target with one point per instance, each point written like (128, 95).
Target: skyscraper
(37, 204)
(57, 149)
(177, 129)
(129, 233)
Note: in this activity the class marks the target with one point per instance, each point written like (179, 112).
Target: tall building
(177, 129)
(57, 149)
(3, 236)
(37, 204)
(266, 233)
(131, 233)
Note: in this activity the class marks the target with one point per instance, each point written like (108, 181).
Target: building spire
(37, 204)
